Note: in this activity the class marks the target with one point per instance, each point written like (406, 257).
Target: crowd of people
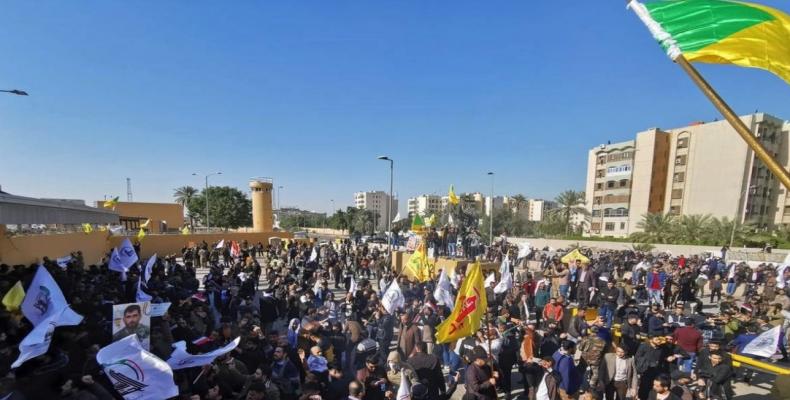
(608, 324)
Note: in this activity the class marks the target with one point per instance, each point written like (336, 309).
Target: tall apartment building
(703, 168)
(494, 203)
(426, 205)
(537, 208)
(376, 201)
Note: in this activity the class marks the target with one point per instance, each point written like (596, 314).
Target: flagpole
(759, 150)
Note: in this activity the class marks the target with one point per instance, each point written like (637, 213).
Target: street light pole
(208, 220)
(279, 192)
(491, 211)
(389, 203)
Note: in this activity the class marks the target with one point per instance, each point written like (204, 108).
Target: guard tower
(261, 204)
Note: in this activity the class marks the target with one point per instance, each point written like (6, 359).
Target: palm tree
(656, 228)
(569, 203)
(720, 231)
(183, 195)
(519, 202)
(693, 228)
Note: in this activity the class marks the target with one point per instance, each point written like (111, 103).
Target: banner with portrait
(132, 318)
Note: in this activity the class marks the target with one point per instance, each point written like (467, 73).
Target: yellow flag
(453, 198)
(102, 228)
(431, 221)
(141, 235)
(87, 228)
(573, 256)
(185, 230)
(470, 307)
(14, 297)
(418, 266)
(111, 203)
(146, 224)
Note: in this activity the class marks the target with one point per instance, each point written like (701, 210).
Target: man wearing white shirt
(549, 385)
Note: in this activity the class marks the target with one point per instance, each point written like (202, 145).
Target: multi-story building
(376, 201)
(537, 209)
(426, 204)
(703, 168)
(494, 203)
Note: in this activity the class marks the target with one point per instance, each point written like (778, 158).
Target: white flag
(404, 391)
(443, 291)
(45, 299)
(45, 306)
(127, 253)
(491, 278)
(180, 359)
(780, 276)
(221, 244)
(764, 345)
(397, 218)
(149, 267)
(313, 255)
(450, 220)
(505, 266)
(63, 262)
(116, 230)
(523, 250)
(352, 288)
(731, 273)
(135, 373)
(505, 284)
(393, 298)
(141, 295)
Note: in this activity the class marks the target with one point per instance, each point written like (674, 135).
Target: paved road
(760, 385)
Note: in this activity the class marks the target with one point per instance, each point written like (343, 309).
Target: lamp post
(491, 211)
(208, 221)
(389, 203)
(279, 192)
(16, 92)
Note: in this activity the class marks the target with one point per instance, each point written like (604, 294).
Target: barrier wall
(400, 258)
(30, 249)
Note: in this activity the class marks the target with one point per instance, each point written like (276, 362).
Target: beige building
(376, 201)
(426, 204)
(703, 168)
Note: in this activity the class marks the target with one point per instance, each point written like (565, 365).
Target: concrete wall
(29, 249)
(754, 254)
(172, 213)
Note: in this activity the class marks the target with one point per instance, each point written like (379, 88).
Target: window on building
(609, 226)
(599, 186)
(600, 173)
(602, 160)
(618, 169)
(622, 225)
(597, 213)
(787, 211)
(680, 160)
(679, 177)
(596, 226)
(597, 200)
(683, 143)
(609, 184)
(677, 193)
(623, 183)
(607, 212)
(674, 210)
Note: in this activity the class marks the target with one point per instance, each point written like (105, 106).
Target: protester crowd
(312, 325)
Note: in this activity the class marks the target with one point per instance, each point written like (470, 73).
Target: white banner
(135, 373)
(764, 345)
(63, 262)
(443, 291)
(44, 299)
(180, 359)
(505, 284)
(149, 267)
(159, 309)
(393, 298)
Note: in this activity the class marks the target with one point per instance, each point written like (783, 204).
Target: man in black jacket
(631, 335)
(428, 369)
(652, 359)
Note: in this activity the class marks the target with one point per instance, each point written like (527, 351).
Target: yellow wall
(29, 249)
(261, 206)
(171, 212)
(400, 258)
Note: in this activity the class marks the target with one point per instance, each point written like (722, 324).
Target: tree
(693, 228)
(656, 228)
(519, 202)
(228, 207)
(183, 195)
(569, 203)
(719, 232)
(509, 223)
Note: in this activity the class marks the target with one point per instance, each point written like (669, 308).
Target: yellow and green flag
(185, 230)
(721, 32)
(418, 267)
(431, 222)
(417, 224)
(452, 197)
(470, 307)
(141, 235)
(111, 203)
(146, 224)
(87, 228)
(13, 298)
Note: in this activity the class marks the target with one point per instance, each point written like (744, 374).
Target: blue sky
(311, 92)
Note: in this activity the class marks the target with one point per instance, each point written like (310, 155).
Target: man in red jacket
(554, 310)
(689, 339)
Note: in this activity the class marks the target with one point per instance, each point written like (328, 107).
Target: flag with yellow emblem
(87, 228)
(146, 224)
(470, 307)
(141, 235)
(185, 230)
(452, 197)
(418, 266)
(111, 203)
(13, 298)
